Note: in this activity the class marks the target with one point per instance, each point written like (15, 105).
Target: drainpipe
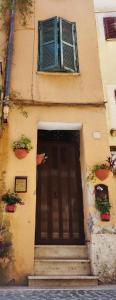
(9, 63)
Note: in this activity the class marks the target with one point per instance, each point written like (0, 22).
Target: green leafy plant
(11, 198)
(102, 204)
(23, 143)
(4, 248)
(92, 172)
(13, 97)
(101, 166)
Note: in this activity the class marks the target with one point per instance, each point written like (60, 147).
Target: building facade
(56, 78)
(105, 14)
(105, 21)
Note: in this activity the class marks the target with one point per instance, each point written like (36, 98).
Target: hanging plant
(40, 159)
(101, 171)
(22, 147)
(11, 199)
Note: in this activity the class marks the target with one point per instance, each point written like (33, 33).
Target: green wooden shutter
(68, 46)
(48, 45)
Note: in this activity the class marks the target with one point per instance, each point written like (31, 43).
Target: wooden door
(59, 212)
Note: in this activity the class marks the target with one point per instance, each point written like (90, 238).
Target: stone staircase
(61, 267)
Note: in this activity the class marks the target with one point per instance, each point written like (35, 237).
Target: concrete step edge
(61, 246)
(63, 260)
(60, 258)
(35, 277)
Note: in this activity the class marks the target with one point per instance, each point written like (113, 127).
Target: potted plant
(11, 199)
(102, 171)
(103, 205)
(22, 147)
(41, 158)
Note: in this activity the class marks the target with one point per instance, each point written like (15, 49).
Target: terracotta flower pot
(10, 208)
(21, 153)
(105, 216)
(40, 158)
(102, 174)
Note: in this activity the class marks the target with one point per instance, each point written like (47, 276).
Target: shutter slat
(110, 27)
(48, 44)
(67, 44)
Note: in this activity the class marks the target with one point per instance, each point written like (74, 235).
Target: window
(110, 27)
(57, 46)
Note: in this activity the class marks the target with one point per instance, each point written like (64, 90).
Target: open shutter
(48, 44)
(110, 27)
(68, 46)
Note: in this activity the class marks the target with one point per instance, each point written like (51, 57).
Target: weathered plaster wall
(103, 253)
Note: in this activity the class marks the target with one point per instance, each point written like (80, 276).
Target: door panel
(59, 213)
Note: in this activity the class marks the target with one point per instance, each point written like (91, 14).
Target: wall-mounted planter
(10, 208)
(105, 216)
(40, 158)
(22, 147)
(20, 153)
(102, 174)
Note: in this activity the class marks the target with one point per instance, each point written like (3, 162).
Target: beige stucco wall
(53, 87)
(85, 87)
(107, 50)
(23, 221)
(104, 237)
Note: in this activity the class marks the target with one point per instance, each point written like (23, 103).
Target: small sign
(97, 135)
(20, 184)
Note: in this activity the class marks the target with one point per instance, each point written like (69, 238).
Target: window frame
(59, 67)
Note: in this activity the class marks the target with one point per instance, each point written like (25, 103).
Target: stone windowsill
(57, 74)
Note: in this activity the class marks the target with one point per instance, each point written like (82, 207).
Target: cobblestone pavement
(37, 294)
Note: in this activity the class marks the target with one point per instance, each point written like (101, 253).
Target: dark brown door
(59, 212)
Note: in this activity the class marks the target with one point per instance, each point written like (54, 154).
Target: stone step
(62, 281)
(50, 251)
(61, 267)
